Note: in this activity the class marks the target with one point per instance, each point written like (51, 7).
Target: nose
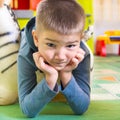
(60, 55)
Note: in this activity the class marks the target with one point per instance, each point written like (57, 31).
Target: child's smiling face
(57, 49)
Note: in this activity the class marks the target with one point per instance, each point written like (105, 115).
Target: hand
(66, 73)
(51, 74)
(74, 61)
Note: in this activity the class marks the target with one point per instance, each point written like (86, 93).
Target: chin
(59, 68)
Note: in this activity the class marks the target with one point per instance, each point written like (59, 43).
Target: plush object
(9, 45)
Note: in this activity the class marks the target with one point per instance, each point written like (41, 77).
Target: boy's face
(57, 49)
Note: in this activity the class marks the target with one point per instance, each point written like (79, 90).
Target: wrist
(51, 81)
(65, 78)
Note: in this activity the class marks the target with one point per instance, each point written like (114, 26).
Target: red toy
(100, 48)
(33, 4)
(20, 4)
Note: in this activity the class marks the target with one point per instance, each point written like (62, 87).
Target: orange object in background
(20, 4)
(33, 4)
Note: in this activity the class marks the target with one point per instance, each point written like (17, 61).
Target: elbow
(82, 108)
(80, 111)
(29, 115)
(27, 111)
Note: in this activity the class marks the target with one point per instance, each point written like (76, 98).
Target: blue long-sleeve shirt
(33, 95)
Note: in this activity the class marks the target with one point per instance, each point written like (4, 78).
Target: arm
(32, 96)
(77, 91)
(51, 75)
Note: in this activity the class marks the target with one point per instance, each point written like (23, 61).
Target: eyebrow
(52, 40)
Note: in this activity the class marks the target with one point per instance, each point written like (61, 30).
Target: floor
(106, 78)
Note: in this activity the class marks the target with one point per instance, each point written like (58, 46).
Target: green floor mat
(105, 82)
(98, 110)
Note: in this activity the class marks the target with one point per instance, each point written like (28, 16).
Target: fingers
(80, 55)
(36, 56)
(41, 63)
(38, 59)
(75, 63)
(78, 58)
(81, 51)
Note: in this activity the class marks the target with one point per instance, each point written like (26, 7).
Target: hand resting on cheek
(74, 61)
(66, 73)
(51, 74)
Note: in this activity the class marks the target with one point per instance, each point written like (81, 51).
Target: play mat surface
(106, 78)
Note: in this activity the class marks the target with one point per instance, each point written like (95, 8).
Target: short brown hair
(61, 16)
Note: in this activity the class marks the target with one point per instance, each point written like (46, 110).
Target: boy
(54, 48)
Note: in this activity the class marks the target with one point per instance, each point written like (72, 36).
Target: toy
(9, 45)
(88, 33)
(109, 37)
(33, 4)
(20, 4)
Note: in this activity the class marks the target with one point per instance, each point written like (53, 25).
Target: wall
(106, 17)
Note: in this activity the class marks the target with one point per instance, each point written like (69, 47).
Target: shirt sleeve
(33, 96)
(77, 92)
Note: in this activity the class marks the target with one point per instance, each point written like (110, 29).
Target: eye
(51, 45)
(71, 46)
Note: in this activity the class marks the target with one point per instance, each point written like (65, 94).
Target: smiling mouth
(60, 64)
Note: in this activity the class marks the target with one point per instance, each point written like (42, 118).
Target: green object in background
(88, 7)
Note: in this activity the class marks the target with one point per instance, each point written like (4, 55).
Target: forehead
(54, 36)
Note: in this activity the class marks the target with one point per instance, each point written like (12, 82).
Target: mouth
(57, 64)
(60, 64)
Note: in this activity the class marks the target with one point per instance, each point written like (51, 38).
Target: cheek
(46, 55)
(72, 54)
(75, 52)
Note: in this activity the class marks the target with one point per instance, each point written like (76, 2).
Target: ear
(35, 38)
